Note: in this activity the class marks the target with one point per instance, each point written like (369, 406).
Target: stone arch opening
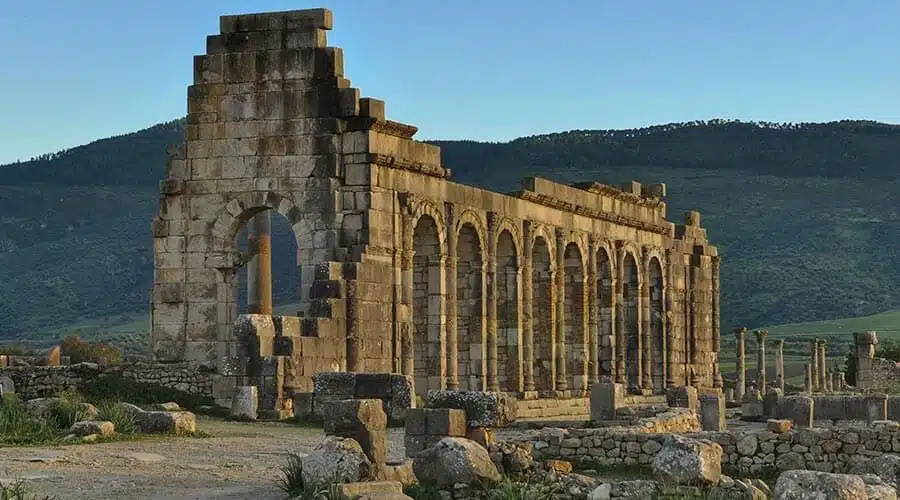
(509, 333)
(542, 317)
(470, 324)
(280, 275)
(427, 307)
(605, 310)
(657, 325)
(631, 302)
(575, 338)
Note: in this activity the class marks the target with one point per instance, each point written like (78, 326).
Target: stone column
(593, 324)
(716, 332)
(259, 268)
(740, 386)
(644, 307)
(808, 379)
(452, 306)
(562, 382)
(528, 309)
(814, 363)
(761, 360)
(865, 353)
(842, 381)
(822, 375)
(493, 382)
(620, 324)
(406, 340)
(779, 363)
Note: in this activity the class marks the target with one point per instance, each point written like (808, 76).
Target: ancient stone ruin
(540, 293)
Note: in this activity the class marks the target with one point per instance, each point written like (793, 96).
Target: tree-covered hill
(804, 215)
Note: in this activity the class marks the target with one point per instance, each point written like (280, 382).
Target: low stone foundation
(45, 381)
(574, 408)
(838, 449)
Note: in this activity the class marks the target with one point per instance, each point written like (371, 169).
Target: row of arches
(484, 324)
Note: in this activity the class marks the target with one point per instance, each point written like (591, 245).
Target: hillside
(804, 215)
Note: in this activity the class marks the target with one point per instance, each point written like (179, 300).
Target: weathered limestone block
(483, 409)
(606, 399)
(712, 412)
(362, 420)
(401, 398)
(245, 403)
(752, 406)
(380, 490)
(445, 422)
(337, 458)
(876, 407)
(683, 397)
(88, 427)
(778, 426)
(772, 402)
(7, 386)
(808, 485)
(168, 422)
(453, 461)
(801, 411)
(133, 411)
(686, 461)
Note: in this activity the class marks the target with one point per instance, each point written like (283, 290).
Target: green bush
(530, 489)
(70, 409)
(15, 350)
(422, 491)
(16, 491)
(112, 411)
(80, 351)
(19, 426)
(291, 482)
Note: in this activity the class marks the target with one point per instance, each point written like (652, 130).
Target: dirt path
(241, 460)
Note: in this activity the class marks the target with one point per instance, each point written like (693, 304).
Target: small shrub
(112, 411)
(19, 426)
(531, 489)
(70, 409)
(291, 482)
(17, 491)
(80, 351)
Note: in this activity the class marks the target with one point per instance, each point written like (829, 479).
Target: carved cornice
(388, 127)
(618, 194)
(593, 213)
(394, 162)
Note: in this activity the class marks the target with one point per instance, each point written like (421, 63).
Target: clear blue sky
(72, 72)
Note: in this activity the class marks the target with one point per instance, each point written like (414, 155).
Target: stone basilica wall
(540, 293)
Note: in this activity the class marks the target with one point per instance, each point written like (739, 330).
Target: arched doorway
(427, 307)
(657, 326)
(542, 317)
(631, 299)
(509, 335)
(470, 327)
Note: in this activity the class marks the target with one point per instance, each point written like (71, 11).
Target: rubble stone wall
(43, 381)
(746, 452)
(885, 376)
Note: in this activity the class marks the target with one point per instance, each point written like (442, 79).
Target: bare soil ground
(240, 460)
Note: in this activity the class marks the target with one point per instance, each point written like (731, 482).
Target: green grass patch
(16, 490)
(116, 387)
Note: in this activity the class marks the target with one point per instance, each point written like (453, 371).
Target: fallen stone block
(414, 445)
(7, 386)
(453, 461)
(779, 426)
(363, 420)
(485, 436)
(170, 406)
(559, 466)
(689, 462)
(712, 412)
(372, 489)
(483, 409)
(337, 458)
(168, 422)
(397, 471)
(803, 484)
(336, 384)
(88, 427)
(245, 403)
(133, 411)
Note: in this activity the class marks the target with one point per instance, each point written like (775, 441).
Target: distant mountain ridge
(803, 214)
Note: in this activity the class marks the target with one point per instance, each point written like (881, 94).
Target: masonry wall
(748, 452)
(45, 381)
(403, 270)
